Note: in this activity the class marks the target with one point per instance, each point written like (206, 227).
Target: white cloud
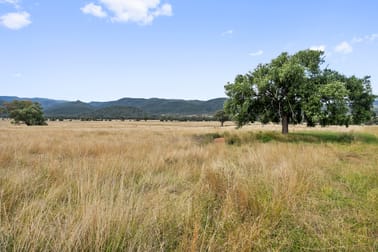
(95, 10)
(344, 48)
(255, 54)
(15, 20)
(367, 38)
(165, 10)
(138, 11)
(320, 48)
(227, 33)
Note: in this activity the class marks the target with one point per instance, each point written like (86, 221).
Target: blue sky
(108, 49)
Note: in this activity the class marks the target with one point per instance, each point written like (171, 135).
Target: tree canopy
(294, 89)
(27, 112)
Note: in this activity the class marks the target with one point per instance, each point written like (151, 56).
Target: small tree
(221, 116)
(25, 111)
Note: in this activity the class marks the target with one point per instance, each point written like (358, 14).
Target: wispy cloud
(15, 20)
(367, 38)
(95, 10)
(227, 33)
(255, 54)
(123, 11)
(320, 48)
(344, 48)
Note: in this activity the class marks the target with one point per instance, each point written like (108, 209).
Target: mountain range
(125, 107)
(129, 107)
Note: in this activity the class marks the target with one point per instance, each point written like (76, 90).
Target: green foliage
(25, 111)
(293, 89)
(360, 97)
(334, 98)
(242, 106)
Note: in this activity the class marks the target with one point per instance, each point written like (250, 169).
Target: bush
(25, 112)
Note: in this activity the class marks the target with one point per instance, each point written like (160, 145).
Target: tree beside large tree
(27, 112)
(221, 116)
(293, 89)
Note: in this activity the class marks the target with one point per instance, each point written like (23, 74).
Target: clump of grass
(206, 138)
(232, 139)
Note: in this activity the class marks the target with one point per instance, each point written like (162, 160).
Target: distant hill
(45, 103)
(125, 107)
(80, 109)
(117, 112)
(156, 106)
(69, 109)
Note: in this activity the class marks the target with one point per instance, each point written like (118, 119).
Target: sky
(101, 50)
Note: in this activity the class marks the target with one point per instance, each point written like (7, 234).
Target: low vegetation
(95, 186)
(296, 137)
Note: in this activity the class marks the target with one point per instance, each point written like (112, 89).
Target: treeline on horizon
(166, 118)
(110, 114)
(131, 117)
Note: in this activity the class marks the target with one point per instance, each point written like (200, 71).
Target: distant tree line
(164, 118)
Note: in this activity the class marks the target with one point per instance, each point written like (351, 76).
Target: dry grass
(151, 186)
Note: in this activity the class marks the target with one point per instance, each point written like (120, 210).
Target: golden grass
(151, 186)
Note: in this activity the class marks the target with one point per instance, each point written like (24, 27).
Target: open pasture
(167, 186)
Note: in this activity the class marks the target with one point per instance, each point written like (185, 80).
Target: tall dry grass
(126, 186)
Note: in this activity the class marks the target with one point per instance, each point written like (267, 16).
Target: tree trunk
(285, 124)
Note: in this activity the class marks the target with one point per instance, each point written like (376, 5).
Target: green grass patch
(322, 137)
(300, 137)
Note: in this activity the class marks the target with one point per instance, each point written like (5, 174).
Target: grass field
(153, 186)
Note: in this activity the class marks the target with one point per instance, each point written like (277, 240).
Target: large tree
(293, 89)
(27, 112)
